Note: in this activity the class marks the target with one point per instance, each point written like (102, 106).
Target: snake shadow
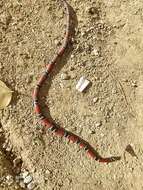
(60, 64)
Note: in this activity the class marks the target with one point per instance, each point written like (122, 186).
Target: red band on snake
(45, 122)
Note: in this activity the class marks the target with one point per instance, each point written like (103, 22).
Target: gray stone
(28, 179)
(31, 185)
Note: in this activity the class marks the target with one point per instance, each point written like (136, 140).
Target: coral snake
(45, 122)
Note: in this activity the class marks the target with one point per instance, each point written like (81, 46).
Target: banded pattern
(47, 125)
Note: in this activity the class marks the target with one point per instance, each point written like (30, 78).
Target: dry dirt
(108, 50)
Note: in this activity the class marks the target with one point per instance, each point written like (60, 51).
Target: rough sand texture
(7, 181)
(29, 35)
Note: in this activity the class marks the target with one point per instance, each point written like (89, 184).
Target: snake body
(45, 122)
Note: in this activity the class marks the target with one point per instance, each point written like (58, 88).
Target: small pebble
(95, 52)
(72, 56)
(17, 161)
(28, 179)
(83, 33)
(125, 80)
(93, 10)
(65, 76)
(24, 174)
(92, 132)
(22, 185)
(9, 179)
(57, 42)
(71, 68)
(114, 91)
(17, 170)
(47, 172)
(102, 135)
(29, 79)
(73, 75)
(4, 145)
(98, 124)
(95, 100)
(9, 148)
(134, 84)
(31, 185)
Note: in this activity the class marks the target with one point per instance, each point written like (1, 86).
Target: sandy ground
(5, 171)
(7, 181)
(107, 50)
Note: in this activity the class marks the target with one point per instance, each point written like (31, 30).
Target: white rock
(24, 174)
(47, 172)
(98, 124)
(82, 84)
(9, 148)
(31, 185)
(134, 84)
(95, 52)
(9, 179)
(57, 42)
(102, 135)
(72, 56)
(95, 99)
(28, 179)
(83, 33)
